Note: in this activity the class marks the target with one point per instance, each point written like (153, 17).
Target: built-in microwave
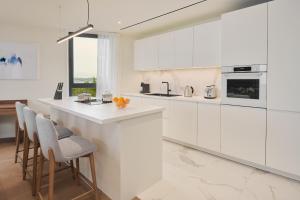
(245, 85)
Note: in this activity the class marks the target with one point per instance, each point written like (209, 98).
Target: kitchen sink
(163, 95)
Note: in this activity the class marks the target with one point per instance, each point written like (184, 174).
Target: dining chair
(59, 151)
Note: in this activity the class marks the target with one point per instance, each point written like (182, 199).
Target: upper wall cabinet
(207, 44)
(166, 50)
(183, 40)
(146, 53)
(284, 50)
(244, 36)
(185, 48)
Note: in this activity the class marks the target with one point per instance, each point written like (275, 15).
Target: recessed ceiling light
(119, 22)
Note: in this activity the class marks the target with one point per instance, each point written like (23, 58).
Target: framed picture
(18, 61)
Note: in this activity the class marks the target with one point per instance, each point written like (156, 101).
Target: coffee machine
(145, 88)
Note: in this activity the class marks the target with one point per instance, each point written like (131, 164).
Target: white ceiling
(105, 14)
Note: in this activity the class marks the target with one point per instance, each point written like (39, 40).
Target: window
(83, 58)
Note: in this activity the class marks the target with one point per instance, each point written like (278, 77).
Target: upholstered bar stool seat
(57, 151)
(20, 128)
(32, 136)
(75, 146)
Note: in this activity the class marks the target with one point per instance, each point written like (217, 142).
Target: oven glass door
(244, 89)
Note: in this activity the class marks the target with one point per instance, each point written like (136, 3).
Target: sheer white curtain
(107, 72)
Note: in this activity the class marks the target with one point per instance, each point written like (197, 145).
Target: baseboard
(7, 140)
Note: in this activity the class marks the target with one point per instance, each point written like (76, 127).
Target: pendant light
(80, 31)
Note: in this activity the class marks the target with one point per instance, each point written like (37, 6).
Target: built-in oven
(244, 85)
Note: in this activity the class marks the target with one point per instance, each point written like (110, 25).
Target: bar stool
(63, 150)
(20, 128)
(31, 136)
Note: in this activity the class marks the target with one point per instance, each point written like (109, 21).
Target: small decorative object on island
(58, 92)
(121, 102)
(18, 61)
(107, 97)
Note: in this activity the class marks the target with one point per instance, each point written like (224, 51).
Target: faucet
(168, 87)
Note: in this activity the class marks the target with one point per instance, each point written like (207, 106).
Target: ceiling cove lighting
(88, 27)
(164, 14)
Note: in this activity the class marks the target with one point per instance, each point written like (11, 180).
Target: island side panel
(107, 158)
(141, 154)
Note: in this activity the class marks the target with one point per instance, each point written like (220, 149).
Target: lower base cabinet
(243, 133)
(283, 143)
(182, 122)
(209, 125)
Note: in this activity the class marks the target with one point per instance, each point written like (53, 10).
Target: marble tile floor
(189, 174)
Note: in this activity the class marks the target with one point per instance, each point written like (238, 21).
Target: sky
(85, 57)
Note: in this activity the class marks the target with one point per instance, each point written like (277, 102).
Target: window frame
(71, 65)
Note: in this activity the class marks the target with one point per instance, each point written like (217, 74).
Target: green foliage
(76, 91)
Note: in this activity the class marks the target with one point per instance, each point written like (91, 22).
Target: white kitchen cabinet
(209, 126)
(283, 141)
(183, 40)
(166, 50)
(284, 51)
(207, 44)
(243, 133)
(244, 36)
(163, 103)
(182, 122)
(146, 53)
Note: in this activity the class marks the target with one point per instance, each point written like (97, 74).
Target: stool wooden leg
(72, 169)
(17, 144)
(92, 164)
(77, 171)
(25, 154)
(51, 174)
(35, 154)
(40, 173)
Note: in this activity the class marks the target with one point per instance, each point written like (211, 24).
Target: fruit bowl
(121, 102)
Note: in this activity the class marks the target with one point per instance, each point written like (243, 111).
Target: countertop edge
(195, 99)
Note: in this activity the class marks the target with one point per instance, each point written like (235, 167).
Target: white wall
(53, 68)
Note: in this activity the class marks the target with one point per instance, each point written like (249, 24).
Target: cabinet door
(243, 133)
(283, 141)
(244, 36)
(207, 44)
(184, 48)
(182, 122)
(209, 130)
(165, 104)
(146, 54)
(166, 50)
(284, 62)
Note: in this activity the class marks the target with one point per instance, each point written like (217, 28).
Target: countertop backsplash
(178, 79)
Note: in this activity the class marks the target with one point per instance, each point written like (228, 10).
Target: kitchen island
(129, 147)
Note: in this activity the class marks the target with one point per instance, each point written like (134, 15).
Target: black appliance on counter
(145, 88)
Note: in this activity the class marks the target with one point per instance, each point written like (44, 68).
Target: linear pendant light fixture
(88, 27)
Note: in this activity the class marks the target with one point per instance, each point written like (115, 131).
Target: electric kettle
(188, 91)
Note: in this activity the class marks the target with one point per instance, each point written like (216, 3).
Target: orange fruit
(115, 99)
(126, 100)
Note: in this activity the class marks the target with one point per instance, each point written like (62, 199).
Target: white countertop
(103, 113)
(197, 99)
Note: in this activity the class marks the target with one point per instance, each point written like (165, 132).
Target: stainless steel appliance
(244, 85)
(210, 92)
(188, 91)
